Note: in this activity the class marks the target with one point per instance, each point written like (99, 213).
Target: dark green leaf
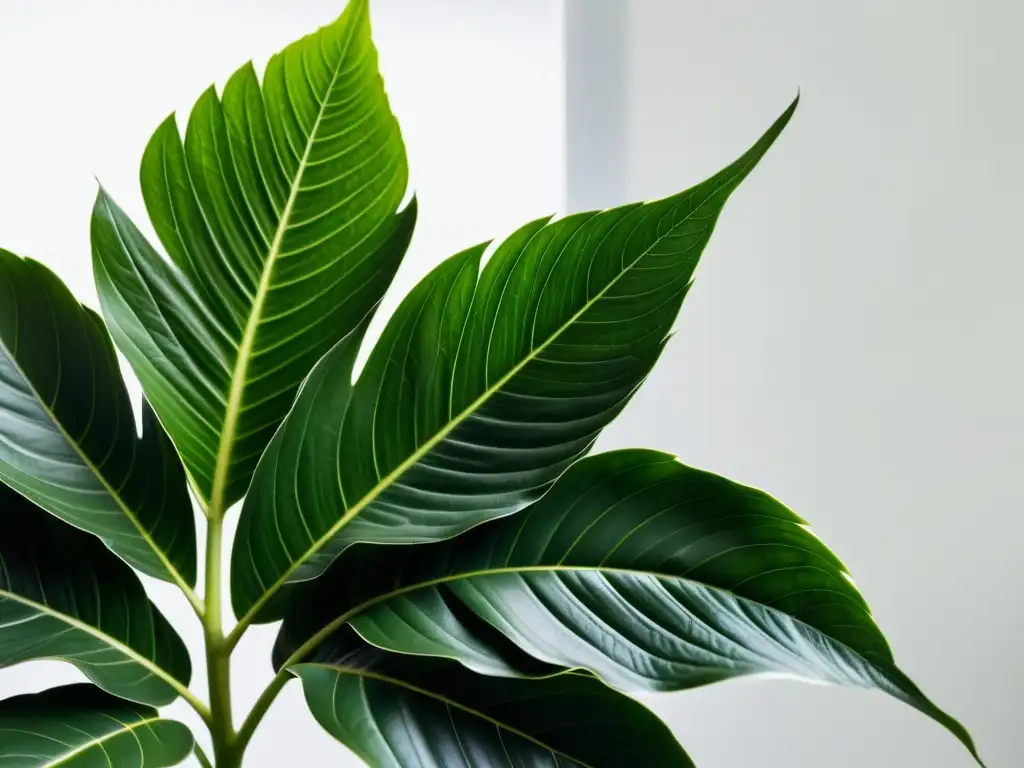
(64, 596)
(646, 572)
(397, 711)
(67, 431)
(279, 214)
(80, 726)
(483, 388)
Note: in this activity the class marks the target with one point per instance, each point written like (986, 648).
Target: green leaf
(67, 430)
(397, 711)
(63, 595)
(650, 574)
(80, 726)
(279, 214)
(483, 388)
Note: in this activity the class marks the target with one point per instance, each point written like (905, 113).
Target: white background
(853, 344)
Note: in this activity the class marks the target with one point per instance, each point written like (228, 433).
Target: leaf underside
(80, 726)
(650, 574)
(63, 595)
(397, 711)
(67, 430)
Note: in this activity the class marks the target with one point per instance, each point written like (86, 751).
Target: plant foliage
(458, 582)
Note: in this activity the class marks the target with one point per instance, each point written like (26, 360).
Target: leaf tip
(101, 192)
(785, 117)
(410, 204)
(103, 198)
(168, 128)
(354, 11)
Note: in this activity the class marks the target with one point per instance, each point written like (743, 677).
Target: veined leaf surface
(67, 431)
(81, 726)
(397, 711)
(279, 213)
(63, 595)
(650, 574)
(482, 389)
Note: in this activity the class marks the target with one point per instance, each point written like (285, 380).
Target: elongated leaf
(80, 726)
(67, 431)
(483, 388)
(64, 596)
(279, 213)
(397, 711)
(646, 572)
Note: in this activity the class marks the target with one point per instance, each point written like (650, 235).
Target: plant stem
(283, 675)
(218, 655)
(204, 761)
(193, 599)
(259, 709)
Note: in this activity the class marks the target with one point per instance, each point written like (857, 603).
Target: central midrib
(505, 570)
(98, 634)
(238, 377)
(417, 455)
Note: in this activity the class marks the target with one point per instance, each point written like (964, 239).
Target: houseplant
(429, 532)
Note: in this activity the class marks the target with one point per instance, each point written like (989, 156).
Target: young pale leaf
(648, 573)
(80, 726)
(64, 596)
(396, 711)
(483, 388)
(279, 213)
(67, 431)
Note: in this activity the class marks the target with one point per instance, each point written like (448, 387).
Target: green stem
(204, 761)
(283, 675)
(218, 655)
(259, 709)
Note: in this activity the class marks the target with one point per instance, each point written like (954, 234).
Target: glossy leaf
(397, 711)
(278, 211)
(63, 595)
(80, 726)
(67, 430)
(483, 388)
(650, 574)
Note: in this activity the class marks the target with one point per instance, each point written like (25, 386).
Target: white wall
(476, 83)
(853, 341)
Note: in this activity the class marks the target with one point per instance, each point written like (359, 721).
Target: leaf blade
(67, 429)
(435, 713)
(78, 725)
(650, 574)
(480, 392)
(279, 211)
(63, 595)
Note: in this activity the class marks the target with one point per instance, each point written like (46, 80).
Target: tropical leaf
(80, 726)
(650, 574)
(483, 387)
(279, 214)
(397, 711)
(63, 595)
(67, 430)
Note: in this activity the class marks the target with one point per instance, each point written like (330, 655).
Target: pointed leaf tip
(224, 294)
